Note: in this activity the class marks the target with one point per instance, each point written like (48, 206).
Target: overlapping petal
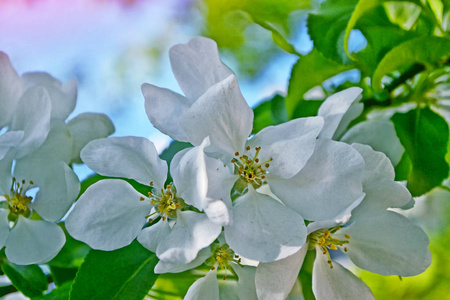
(128, 157)
(11, 87)
(151, 236)
(34, 241)
(4, 226)
(204, 288)
(166, 267)
(8, 140)
(108, 216)
(327, 185)
(263, 229)
(197, 66)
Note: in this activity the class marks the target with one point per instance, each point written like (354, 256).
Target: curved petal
(108, 216)
(337, 283)
(151, 236)
(380, 135)
(5, 172)
(165, 267)
(33, 117)
(262, 228)
(246, 283)
(11, 87)
(297, 138)
(222, 114)
(204, 288)
(191, 233)
(387, 244)
(58, 188)
(334, 108)
(188, 171)
(87, 127)
(129, 157)
(377, 165)
(4, 226)
(163, 107)
(274, 280)
(327, 185)
(352, 113)
(34, 241)
(63, 97)
(197, 66)
(8, 140)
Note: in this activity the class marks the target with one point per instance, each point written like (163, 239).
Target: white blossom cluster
(37, 148)
(231, 199)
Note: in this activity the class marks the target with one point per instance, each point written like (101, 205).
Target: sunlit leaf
(126, 273)
(30, 279)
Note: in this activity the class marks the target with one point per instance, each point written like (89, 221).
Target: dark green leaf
(425, 135)
(403, 168)
(30, 280)
(126, 273)
(60, 293)
(428, 51)
(141, 188)
(174, 148)
(270, 112)
(62, 275)
(309, 71)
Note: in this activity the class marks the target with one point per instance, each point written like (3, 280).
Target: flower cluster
(248, 206)
(37, 149)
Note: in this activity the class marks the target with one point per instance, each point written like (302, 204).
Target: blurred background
(111, 47)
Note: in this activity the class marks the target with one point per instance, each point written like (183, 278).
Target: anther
(142, 199)
(347, 236)
(151, 183)
(248, 148)
(31, 182)
(236, 154)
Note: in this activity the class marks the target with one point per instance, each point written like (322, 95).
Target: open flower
(111, 213)
(310, 179)
(374, 239)
(27, 218)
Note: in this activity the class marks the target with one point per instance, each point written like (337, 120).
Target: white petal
(274, 280)
(87, 127)
(11, 87)
(58, 188)
(380, 135)
(33, 117)
(191, 233)
(165, 267)
(108, 216)
(63, 97)
(204, 288)
(163, 108)
(8, 140)
(328, 184)
(352, 113)
(189, 175)
(223, 115)
(387, 244)
(151, 236)
(337, 283)
(246, 283)
(334, 108)
(263, 228)
(297, 138)
(34, 241)
(296, 292)
(377, 165)
(4, 226)
(129, 157)
(5, 171)
(197, 66)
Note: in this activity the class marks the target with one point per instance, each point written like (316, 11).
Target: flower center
(165, 202)
(324, 239)
(250, 169)
(222, 256)
(17, 199)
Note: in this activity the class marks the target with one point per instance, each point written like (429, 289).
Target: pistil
(250, 169)
(325, 241)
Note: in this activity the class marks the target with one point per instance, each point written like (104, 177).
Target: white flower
(320, 185)
(374, 239)
(27, 219)
(111, 213)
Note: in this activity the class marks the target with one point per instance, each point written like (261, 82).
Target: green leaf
(30, 279)
(141, 188)
(174, 148)
(428, 51)
(173, 286)
(309, 71)
(62, 275)
(59, 293)
(126, 273)
(425, 136)
(270, 112)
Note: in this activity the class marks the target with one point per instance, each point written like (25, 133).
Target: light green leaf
(428, 51)
(126, 273)
(59, 293)
(30, 279)
(425, 136)
(309, 71)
